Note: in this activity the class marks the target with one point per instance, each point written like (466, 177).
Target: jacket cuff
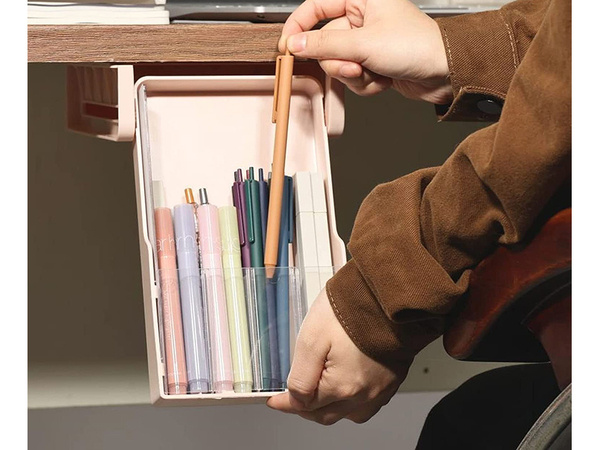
(482, 58)
(390, 343)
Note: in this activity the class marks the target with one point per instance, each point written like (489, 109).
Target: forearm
(416, 239)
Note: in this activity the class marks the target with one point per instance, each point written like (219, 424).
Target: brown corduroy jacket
(416, 239)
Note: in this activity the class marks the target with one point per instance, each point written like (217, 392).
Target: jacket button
(489, 107)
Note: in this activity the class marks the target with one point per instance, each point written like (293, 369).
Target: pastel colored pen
(263, 190)
(281, 116)
(214, 288)
(256, 259)
(193, 311)
(239, 201)
(282, 277)
(236, 301)
(169, 293)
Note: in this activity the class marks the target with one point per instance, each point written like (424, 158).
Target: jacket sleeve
(416, 239)
(484, 51)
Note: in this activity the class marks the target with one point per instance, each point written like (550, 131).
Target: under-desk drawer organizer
(196, 130)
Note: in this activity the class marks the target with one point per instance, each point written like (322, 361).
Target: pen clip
(276, 92)
(290, 185)
(237, 202)
(251, 237)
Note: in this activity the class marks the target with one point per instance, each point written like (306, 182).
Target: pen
(192, 308)
(236, 306)
(281, 114)
(212, 271)
(263, 190)
(283, 292)
(256, 256)
(239, 201)
(169, 292)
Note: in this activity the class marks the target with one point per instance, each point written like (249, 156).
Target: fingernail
(297, 43)
(348, 71)
(281, 43)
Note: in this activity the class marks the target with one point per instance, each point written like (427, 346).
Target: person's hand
(371, 45)
(331, 378)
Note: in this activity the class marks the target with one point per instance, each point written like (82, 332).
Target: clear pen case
(253, 370)
(195, 130)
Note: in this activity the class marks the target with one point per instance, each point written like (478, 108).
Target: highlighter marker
(212, 268)
(169, 291)
(192, 307)
(236, 301)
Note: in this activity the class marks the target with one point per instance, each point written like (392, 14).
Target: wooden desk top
(153, 43)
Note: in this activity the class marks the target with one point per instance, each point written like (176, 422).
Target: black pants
(491, 411)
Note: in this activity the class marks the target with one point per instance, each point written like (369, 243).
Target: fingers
(358, 79)
(329, 414)
(308, 14)
(352, 74)
(361, 415)
(283, 403)
(309, 360)
(329, 44)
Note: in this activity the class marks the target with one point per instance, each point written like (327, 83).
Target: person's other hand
(371, 45)
(331, 378)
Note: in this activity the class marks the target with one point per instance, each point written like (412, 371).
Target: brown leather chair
(518, 309)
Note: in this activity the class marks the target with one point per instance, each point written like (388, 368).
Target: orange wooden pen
(284, 68)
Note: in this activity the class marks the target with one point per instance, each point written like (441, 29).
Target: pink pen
(212, 276)
(169, 289)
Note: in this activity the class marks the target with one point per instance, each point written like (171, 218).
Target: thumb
(309, 360)
(328, 44)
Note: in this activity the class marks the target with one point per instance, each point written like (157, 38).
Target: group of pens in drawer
(227, 322)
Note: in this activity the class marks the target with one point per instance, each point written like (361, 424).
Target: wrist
(439, 60)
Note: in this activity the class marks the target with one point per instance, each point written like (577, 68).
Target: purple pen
(239, 201)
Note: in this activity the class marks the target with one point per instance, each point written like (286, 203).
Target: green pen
(255, 239)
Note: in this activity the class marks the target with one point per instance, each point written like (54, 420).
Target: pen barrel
(214, 291)
(256, 283)
(193, 309)
(170, 304)
(236, 301)
(277, 179)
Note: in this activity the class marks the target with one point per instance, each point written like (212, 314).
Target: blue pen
(263, 190)
(283, 292)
